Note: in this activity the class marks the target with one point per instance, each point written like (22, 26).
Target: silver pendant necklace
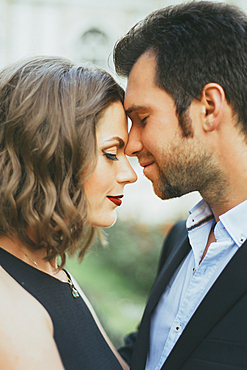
(75, 292)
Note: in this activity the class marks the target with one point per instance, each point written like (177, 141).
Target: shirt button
(178, 328)
(194, 270)
(242, 239)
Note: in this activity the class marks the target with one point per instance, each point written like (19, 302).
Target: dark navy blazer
(215, 338)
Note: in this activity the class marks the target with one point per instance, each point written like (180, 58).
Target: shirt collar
(199, 215)
(199, 224)
(235, 221)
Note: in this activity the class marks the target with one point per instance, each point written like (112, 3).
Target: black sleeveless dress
(78, 339)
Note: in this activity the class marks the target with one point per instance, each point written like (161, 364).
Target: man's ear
(212, 99)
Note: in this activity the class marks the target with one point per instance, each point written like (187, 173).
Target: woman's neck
(34, 258)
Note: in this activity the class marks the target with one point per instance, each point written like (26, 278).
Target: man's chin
(159, 193)
(167, 193)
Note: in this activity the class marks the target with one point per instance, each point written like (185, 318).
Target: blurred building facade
(81, 30)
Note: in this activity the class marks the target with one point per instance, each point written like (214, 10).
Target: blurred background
(117, 278)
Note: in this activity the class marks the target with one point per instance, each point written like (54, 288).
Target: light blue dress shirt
(193, 279)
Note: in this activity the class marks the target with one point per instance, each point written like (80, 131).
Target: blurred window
(94, 46)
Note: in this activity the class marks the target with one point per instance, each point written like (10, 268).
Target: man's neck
(231, 156)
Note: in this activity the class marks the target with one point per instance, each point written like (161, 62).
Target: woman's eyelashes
(111, 156)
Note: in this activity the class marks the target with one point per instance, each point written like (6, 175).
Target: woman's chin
(111, 224)
(104, 221)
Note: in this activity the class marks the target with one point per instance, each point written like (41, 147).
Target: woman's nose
(126, 174)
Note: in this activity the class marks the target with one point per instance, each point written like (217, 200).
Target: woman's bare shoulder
(26, 330)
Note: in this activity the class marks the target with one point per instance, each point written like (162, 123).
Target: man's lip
(115, 199)
(145, 164)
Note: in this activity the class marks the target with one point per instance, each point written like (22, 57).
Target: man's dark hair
(195, 43)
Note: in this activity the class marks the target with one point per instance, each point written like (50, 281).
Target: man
(186, 97)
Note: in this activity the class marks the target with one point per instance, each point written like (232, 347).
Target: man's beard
(190, 167)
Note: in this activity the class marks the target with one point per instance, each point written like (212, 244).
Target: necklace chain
(30, 259)
(74, 290)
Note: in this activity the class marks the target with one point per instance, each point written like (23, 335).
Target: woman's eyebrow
(117, 138)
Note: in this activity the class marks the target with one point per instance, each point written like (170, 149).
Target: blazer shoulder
(177, 233)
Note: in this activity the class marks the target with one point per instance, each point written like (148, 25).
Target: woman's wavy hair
(49, 109)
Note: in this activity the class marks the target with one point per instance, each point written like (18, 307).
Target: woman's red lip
(116, 200)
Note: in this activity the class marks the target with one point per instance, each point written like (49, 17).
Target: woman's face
(104, 187)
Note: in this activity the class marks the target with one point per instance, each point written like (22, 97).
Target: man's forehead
(144, 67)
(141, 79)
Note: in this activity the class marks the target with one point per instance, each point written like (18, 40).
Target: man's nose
(134, 145)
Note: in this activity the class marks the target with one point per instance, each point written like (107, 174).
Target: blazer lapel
(234, 276)
(142, 342)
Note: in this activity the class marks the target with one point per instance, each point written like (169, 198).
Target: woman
(63, 132)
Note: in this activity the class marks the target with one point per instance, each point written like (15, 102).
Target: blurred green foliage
(133, 252)
(117, 278)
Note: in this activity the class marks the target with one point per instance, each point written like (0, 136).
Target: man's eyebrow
(134, 108)
(117, 138)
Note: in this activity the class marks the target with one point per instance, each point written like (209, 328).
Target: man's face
(175, 164)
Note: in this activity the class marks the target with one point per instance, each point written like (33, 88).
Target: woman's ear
(212, 99)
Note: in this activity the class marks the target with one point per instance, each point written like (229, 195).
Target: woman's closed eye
(111, 156)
